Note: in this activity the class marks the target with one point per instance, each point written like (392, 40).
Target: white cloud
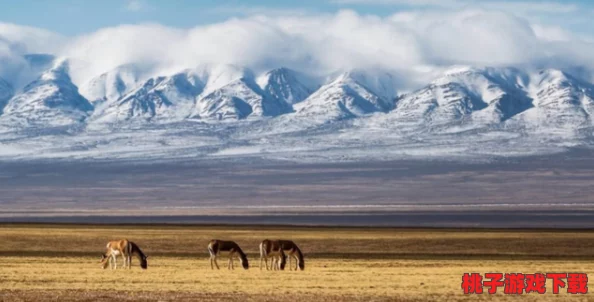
(30, 39)
(17, 41)
(412, 42)
(552, 33)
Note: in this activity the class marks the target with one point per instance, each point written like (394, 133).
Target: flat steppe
(61, 263)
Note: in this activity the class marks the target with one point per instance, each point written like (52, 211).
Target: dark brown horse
(215, 247)
(293, 251)
(272, 249)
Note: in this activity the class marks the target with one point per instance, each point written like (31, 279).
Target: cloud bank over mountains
(414, 45)
(464, 84)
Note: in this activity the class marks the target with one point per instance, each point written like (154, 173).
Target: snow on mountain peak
(482, 96)
(161, 98)
(561, 102)
(237, 100)
(353, 108)
(379, 82)
(286, 85)
(59, 72)
(345, 97)
(51, 100)
(552, 77)
(456, 70)
(111, 85)
(216, 76)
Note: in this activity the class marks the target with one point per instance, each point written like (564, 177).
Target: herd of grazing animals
(277, 250)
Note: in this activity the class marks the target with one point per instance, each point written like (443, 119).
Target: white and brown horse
(215, 247)
(125, 249)
(293, 251)
(272, 249)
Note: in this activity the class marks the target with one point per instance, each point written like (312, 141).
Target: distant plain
(524, 192)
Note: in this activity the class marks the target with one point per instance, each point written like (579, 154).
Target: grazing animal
(272, 249)
(125, 249)
(215, 247)
(293, 251)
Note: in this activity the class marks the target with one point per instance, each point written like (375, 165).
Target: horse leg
(290, 267)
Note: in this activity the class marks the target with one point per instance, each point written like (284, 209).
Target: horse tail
(211, 248)
(263, 248)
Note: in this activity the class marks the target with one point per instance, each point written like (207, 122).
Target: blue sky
(73, 17)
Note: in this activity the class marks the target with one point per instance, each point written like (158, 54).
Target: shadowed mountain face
(238, 100)
(486, 96)
(6, 92)
(287, 85)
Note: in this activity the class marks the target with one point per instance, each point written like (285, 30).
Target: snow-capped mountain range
(225, 110)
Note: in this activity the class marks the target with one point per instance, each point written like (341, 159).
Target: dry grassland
(60, 263)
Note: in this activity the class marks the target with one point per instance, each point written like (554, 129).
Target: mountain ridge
(213, 108)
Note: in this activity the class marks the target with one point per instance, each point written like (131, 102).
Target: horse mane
(241, 253)
(244, 259)
(136, 250)
(139, 254)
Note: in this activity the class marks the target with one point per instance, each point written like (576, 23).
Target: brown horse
(293, 251)
(126, 249)
(215, 247)
(272, 249)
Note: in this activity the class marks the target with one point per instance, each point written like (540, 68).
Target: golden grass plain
(61, 263)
